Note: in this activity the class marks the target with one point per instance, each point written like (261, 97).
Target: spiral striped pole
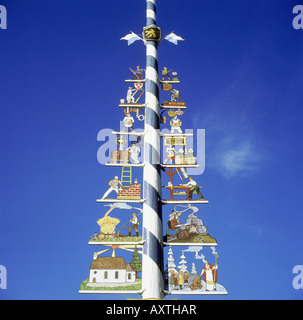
(152, 259)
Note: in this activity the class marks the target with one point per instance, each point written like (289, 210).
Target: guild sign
(138, 86)
(120, 141)
(176, 141)
(152, 33)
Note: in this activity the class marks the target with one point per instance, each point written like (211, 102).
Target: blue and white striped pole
(152, 259)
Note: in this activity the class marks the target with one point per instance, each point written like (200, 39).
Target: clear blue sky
(62, 76)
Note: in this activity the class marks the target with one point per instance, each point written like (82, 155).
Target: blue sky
(62, 76)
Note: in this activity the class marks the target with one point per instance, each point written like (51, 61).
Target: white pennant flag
(172, 37)
(131, 38)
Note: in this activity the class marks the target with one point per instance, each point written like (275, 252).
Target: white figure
(128, 122)
(129, 96)
(175, 124)
(170, 155)
(134, 153)
(114, 186)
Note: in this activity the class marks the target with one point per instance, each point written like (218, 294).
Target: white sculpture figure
(134, 152)
(175, 124)
(128, 122)
(129, 96)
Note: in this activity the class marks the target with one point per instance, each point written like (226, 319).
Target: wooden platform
(199, 244)
(176, 134)
(195, 292)
(139, 165)
(109, 243)
(129, 133)
(195, 238)
(169, 82)
(120, 201)
(135, 80)
(110, 291)
(179, 165)
(172, 106)
(132, 105)
(184, 201)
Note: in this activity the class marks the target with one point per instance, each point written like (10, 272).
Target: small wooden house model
(106, 270)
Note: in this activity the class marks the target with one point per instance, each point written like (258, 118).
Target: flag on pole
(172, 37)
(131, 38)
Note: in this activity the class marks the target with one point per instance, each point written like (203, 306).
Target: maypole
(152, 259)
(112, 273)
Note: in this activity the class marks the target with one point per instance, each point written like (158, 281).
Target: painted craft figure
(138, 73)
(108, 226)
(185, 157)
(170, 154)
(129, 96)
(175, 96)
(114, 186)
(175, 124)
(195, 189)
(192, 231)
(180, 156)
(173, 279)
(134, 225)
(165, 73)
(183, 278)
(209, 274)
(173, 222)
(134, 152)
(166, 85)
(186, 277)
(128, 122)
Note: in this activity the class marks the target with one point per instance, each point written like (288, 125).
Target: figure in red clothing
(209, 273)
